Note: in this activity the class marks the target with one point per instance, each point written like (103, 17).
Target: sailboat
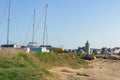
(32, 46)
(45, 47)
(9, 45)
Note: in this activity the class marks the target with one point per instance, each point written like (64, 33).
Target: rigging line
(40, 0)
(40, 20)
(46, 35)
(3, 13)
(45, 27)
(11, 41)
(16, 26)
(28, 30)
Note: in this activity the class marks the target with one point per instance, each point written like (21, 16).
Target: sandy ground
(100, 69)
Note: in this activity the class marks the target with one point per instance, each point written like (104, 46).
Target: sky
(70, 22)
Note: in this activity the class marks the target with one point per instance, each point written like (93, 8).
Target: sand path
(100, 69)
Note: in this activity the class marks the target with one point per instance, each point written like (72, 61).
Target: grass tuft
(82, 74)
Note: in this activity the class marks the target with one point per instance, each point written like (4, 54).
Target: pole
(8, 23)
(45, 35)
(33, 25)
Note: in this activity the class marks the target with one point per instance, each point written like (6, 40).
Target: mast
(45, 34)
(33, 25)
(8, 23)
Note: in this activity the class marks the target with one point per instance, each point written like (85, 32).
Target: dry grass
(67, 71)
(7, 53)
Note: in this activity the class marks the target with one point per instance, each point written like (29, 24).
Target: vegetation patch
(99, 56)
(21, 74)
(49, 60)
(34, 66)
(67, 71)
(82, 74)
(86, 56)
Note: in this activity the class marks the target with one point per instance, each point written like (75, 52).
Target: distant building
(87, 48)
(116, 50)
(96, 51)
(104, 50)
(81, 50)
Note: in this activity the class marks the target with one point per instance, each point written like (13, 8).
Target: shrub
(57, 50)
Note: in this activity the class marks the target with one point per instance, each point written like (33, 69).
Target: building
(96, 51)
(81, 50)
(85, 49)
(87, 46)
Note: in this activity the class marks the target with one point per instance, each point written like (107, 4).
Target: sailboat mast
(33, 25)
(45, 35)
(8, 22)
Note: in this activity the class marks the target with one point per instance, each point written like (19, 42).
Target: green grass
(99, 56)
(49, 60)
(34, 66)
(20, 74)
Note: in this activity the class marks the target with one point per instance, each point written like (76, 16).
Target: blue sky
(70, 22)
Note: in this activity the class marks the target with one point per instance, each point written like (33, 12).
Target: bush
(99, 56)
(86, 56)
(57, 50)
(81, 55)
(91, 56)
